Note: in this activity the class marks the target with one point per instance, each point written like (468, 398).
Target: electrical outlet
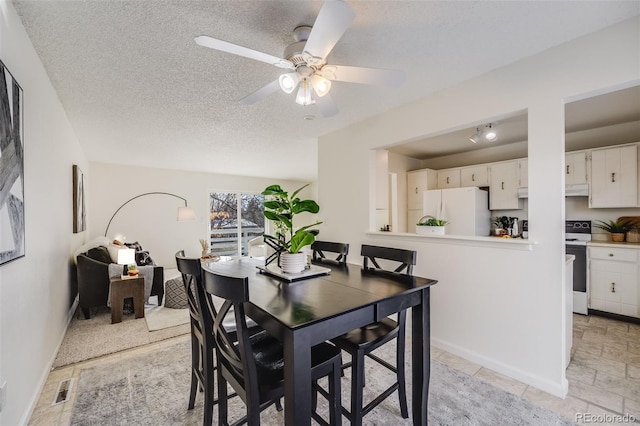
(3, 395)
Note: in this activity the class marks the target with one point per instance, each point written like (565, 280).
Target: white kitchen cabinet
(523, 173)
(474, 176)
(503, 188)
(614, 177)
(575, 168)
(614, 280)
(448, 178)
(419, 181)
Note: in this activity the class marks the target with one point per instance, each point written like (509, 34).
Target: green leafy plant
(615, 226)
(132, 267)
(432, 221)
(281, 208)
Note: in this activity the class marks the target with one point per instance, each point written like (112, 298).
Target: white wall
(35, 290)
(151, 220)
(503, 308)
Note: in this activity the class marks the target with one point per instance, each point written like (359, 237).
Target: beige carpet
(87, 339)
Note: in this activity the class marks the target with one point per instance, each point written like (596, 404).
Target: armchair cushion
(100, 253)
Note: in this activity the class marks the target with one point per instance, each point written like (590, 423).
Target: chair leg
(195, 364)
(357, 375)
(400, 358)
(279, 405)
(194, 389)
(222, 400)
(335, 403)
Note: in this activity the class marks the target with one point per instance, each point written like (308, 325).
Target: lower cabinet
(614, 280)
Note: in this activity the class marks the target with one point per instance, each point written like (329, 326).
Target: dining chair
(359, 343)
(253, 365)
(320, 247)
(202, 366)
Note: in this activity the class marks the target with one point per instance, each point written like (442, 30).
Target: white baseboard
(556, 389)
(47, 370)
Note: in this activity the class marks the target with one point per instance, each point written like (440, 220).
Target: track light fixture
(477, 136)
(490, 133)
(486, 133)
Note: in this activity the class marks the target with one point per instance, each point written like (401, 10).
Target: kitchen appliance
(577, 234)
(465, 209)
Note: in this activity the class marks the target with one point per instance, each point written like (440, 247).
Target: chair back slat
(341, 249)
(406, 258)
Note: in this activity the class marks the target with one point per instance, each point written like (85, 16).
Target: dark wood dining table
(306, 312)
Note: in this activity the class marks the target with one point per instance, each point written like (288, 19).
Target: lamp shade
(304, 93)
(126, 256)
(186, 213)
(320, 84)
(289, 81)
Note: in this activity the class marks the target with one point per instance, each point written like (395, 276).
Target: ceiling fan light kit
(306, 61)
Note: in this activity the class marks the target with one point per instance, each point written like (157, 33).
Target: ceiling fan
(306, 61)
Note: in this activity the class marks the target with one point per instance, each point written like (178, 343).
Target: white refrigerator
(465, 209)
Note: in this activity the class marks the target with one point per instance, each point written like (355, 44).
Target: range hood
(576, 190)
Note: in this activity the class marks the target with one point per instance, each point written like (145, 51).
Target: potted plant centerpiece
(617, 228)
(281, 208)
(429, 225)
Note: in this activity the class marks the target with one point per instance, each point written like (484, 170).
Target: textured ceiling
(139, 91)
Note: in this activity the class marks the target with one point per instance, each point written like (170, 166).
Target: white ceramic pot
(293, 263)
(430, 230)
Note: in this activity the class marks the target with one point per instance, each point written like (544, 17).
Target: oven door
(579, 277)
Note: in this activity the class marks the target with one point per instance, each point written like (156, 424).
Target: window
(234, 220)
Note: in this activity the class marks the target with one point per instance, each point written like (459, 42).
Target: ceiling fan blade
(326, 105)
(236, 49)
(376, 76)
(262, 93)
(333, 20)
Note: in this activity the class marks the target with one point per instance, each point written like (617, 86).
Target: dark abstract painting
(11, 168)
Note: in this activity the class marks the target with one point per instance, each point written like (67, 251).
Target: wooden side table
(124, 287)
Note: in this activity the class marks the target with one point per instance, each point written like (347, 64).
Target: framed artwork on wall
(79, 213)
(12, 223)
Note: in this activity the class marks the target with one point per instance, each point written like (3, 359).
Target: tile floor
(604, 375)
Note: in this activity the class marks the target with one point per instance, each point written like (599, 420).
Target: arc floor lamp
(184, 213)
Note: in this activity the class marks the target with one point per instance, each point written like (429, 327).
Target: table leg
(297, 379)
(421, 359)
(138, 299)
(116, 304)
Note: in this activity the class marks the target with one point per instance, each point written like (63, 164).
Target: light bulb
(288, 81)
(304, 93)
(320, 84)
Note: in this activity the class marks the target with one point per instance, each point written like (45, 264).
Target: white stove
(577, 235)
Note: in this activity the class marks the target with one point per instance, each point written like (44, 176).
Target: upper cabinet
(614, 177)
(474, 176)
(419, 181)
(448, 178)
(523, 173)
(503, 188)
(575, 168)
